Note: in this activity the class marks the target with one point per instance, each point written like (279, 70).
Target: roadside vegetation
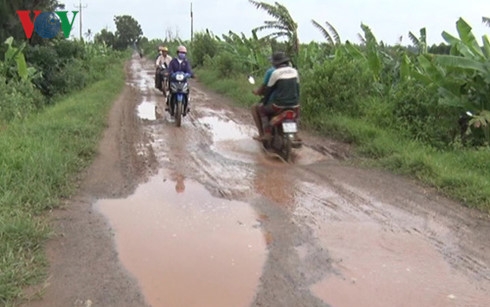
(54, 98)
(46, 139)
(403, 107)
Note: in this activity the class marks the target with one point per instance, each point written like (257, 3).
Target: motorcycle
(284, 129)
(178, 96)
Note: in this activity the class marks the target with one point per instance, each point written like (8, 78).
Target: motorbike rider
(280, 91)
(162, 62)
(180, 63)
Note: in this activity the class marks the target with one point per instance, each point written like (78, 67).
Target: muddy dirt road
(198, 216)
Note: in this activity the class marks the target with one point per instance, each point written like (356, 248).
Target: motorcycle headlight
(179, 77)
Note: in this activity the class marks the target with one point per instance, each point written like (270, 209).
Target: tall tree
(105, 36)
(128, 31)
(9, 21)
(283, 24)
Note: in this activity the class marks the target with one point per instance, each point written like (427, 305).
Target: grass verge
(40, 158)
(461, 174)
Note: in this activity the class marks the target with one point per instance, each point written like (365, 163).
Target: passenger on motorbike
(157, 84)
(281, 91)
(162, 62)
(180, 63)
(260, 92)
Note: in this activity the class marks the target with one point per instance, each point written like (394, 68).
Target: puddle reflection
(186, 247)
(147, 110)
(225, 130)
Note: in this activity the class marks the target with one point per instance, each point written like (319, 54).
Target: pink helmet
(182, 49)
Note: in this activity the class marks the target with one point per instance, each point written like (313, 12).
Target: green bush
(68, 66)
(336, 85)
(416, 110)
(18, 99)
(203, 44)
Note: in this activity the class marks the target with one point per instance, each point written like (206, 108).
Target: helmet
(279, 58)
(164, 49)
(182, 49)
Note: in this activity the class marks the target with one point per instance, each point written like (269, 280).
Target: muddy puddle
(235, 141)
(185, 247)
(383, 256)
(146, 110)
(383, 269)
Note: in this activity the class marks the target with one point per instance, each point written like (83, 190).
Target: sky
(388, 19)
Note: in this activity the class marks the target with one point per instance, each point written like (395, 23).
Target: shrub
(18, 99)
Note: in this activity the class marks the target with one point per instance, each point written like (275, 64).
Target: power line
(80, 8)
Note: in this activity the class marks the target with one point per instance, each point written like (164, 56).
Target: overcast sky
(388, 19)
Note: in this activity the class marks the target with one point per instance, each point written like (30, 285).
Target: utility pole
(192, 24)
(80, 8)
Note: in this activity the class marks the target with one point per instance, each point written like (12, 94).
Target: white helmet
(182, 49)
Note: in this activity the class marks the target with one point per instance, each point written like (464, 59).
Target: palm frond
(277, 35)
(323, 31)
(368, 34)
(269, 9)
(414, 39)
(335, 35)
(486, 20)
(286, 19)
(400, 40)
(283, 22)
(361, 38)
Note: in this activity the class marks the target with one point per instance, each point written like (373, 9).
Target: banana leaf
(486, 46)
(462, 63)
(467, 37)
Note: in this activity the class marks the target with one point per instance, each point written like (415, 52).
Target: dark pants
(261, 114)
(158, 80)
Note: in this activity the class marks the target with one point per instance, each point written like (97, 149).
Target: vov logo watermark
(46, 24)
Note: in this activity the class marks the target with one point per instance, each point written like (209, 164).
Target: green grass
(461, 174)
(40, 159)
(239, 89)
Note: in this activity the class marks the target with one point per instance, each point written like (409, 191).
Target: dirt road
(198, 216)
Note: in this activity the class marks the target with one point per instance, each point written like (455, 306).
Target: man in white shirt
(161, 63)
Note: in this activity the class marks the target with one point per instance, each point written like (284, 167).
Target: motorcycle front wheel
(178, 113)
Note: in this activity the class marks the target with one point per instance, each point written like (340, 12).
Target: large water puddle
(186, 247)
(380, 268)
(236, 141)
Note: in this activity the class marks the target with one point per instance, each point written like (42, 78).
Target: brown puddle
(380, 268)
(236, 142)
(186, 247)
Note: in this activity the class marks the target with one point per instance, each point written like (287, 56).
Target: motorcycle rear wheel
(286, 149)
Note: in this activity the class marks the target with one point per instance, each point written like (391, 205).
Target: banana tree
(419, 42)
(284, 25)
(463, 76)
(251, 52)
(330, 33)
(14, 65)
